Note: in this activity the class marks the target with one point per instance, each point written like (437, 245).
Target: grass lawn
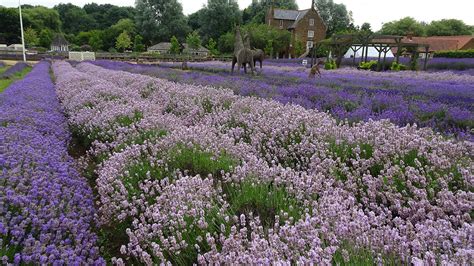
(4, 83)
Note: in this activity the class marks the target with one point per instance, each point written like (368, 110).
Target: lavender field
(325, 171)
(443, 101)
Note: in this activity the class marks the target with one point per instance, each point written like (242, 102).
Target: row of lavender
(443, 101)
(192, 174)
(46, 208)
(18, 67)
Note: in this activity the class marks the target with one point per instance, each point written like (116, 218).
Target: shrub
(370, 65)
(397, 66)
(330, 64)
(455, 54)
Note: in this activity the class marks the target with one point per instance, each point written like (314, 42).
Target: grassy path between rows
(4, 83)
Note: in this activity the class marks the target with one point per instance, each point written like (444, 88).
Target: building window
(310, 34)
(311, 21)
(309, 44)
(281, 23)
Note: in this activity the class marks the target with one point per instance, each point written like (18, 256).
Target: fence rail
(17, 55)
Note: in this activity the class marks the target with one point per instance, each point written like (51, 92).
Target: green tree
(299, 48)
(42, 17)
(31, 37)
(225, 43)
(175, 47)
(74, 19)
(158, 20)
(403, 27)
(95, 40)
(45, 38)
(336, 16)
(212, 47)
(10, 25)
(366, 27)
(448, 27)
(269, 48)
(107, 15)
(193, 40)
(219, 17)
(123, 41)
(138, 44)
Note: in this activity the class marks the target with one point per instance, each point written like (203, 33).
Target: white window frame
(309, 44)
(281, 23)
(311, 21)
(310, 34)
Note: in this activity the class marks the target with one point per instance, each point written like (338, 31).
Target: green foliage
(366, 27)
(45, 38)
(225, 43)
(10, 25)
(212, 47)
(159, 20)
(31, 37)
(370, 65)
(175, 47)
(74, 19)
(330, 64)
(218, 17)
(261, 34)
(403, 27)
(123, 41)
(455, 54)
(299, 48)
(336, 16)
(196, 161)
(448, 27)
(265, 200)
(42, 18)
(138, 44)
(269, 48)
(397, 66)
(193, 40)
(95, 39)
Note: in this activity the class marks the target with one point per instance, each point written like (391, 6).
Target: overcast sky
(373, 11)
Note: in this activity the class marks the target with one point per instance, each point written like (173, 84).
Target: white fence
(81, 56)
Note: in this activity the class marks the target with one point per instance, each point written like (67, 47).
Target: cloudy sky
(373, 11)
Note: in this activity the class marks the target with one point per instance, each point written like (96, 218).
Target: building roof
(301, 14)
(439, 43)
(59, 40)
(161, 46)
(285, 14)
(200, 49)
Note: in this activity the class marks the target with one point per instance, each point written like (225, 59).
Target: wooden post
(385, 50)
(426, 57)
(399, 50)
(378, 59)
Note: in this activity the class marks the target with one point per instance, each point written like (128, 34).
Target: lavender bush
(16, 68)
(443, 101)
(192, 174)
(46, 209)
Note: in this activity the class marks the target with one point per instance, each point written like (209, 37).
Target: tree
(403, 27)
(219, 17)
(335, 16)
(255, 12)
(260, 34)
(138, 44)
(123, 41)
(225, 43)
(175, 47)
(158, 20)
(31, 37)
(45, 38)
(193, 40)
(95, 40)
(10, 25)
(299, 48)
(107, 15)
(195, 19)
(448, 27)
(74, 19)
(269, 48)
(212, 47)
(42, 18)
(366, 27)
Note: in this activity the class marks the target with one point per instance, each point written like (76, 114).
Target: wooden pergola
(339, 44)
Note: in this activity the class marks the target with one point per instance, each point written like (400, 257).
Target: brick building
(305, 25)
